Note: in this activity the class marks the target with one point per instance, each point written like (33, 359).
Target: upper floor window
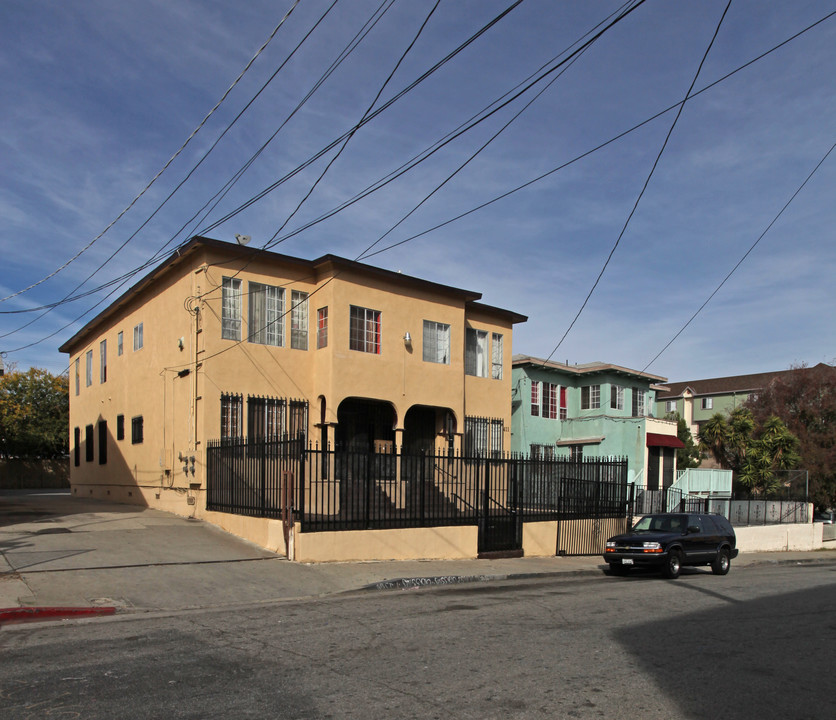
(476, 352)
(138, 339)
(299, 320)
(137, 430)
(103, 361)
(436, 342)
(564, 409)
(535, 398)
(77, 375)
(707, 403)
(266, 317)
(364, 330)
(550, 395)
(89, 367)
(496, 356)
(670, 406)
(616, 397)
(231, 309)
(590, 397)
(638, 402)
(322, 328)
(119, 343)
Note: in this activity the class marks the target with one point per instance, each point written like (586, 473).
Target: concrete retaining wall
(776, 538)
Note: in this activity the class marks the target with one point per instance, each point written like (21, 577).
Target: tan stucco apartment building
(224, 341)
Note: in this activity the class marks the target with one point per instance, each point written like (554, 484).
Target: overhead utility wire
(745, 255)
(477, 207)
(256, 252)
(164, 168)
(570, 61)
(366, 120)
(644, 187)
(350, 47)
(365, 115)
(183, 181)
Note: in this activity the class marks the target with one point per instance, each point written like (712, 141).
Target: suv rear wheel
(673, 565)
(721, 563)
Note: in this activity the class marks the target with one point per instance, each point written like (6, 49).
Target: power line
(745, 255)
(163, 169)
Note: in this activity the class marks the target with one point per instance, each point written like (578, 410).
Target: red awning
(658, 440)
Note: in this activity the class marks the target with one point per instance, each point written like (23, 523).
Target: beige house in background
(224, 341)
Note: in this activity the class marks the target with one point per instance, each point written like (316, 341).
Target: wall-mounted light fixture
(407, 338)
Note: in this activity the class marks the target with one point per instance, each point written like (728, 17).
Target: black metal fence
(349, 490)
(740, 510)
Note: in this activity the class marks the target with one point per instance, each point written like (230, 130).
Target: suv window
(709, 526)
(696, 520)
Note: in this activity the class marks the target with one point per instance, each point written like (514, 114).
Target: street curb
(9, 616)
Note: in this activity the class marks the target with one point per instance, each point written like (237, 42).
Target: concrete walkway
(61, 556)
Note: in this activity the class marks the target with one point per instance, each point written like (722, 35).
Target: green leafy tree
(34, 414)
(756, 453)
(805, 400)
(690, 455)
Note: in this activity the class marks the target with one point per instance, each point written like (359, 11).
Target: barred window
(232, 407)
(436, 342)
(231, 309)
(299, 320)
(616, 397)
(266, 314)
(136, 430)
(276, 417)
(364, 330)
(483, 437)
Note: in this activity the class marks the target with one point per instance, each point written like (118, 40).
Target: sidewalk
(61, 556)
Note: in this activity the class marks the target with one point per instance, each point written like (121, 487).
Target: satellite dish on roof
(242, 239)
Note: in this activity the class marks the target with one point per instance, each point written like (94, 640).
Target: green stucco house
(592, 410)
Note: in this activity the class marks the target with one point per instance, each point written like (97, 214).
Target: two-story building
(592, 410)
(222, 341)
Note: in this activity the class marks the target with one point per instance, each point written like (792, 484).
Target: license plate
(627, 561)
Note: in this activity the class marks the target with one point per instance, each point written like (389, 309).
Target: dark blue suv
(670, 541)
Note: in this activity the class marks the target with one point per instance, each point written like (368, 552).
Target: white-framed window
(435, 344)
(266, 314)
(616, 397)
(364, 330)
(670, 406)
(638, 402)
(103, 361)
(138, 337)
(590, 397)
(119, 343)
(550, 395)
(299, 320)
(322, 328)
(476, 352)
(231, 309)
(535, 398)
(564, 410)
(88, 357)
(707, 403)
(496, 356)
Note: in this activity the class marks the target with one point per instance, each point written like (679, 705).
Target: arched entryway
(365, 425)
(426, 427)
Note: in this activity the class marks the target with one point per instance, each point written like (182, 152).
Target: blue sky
(98, 96)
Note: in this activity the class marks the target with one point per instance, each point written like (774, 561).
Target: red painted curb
(35, 614)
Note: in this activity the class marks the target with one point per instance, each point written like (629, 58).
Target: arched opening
(365, 425)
